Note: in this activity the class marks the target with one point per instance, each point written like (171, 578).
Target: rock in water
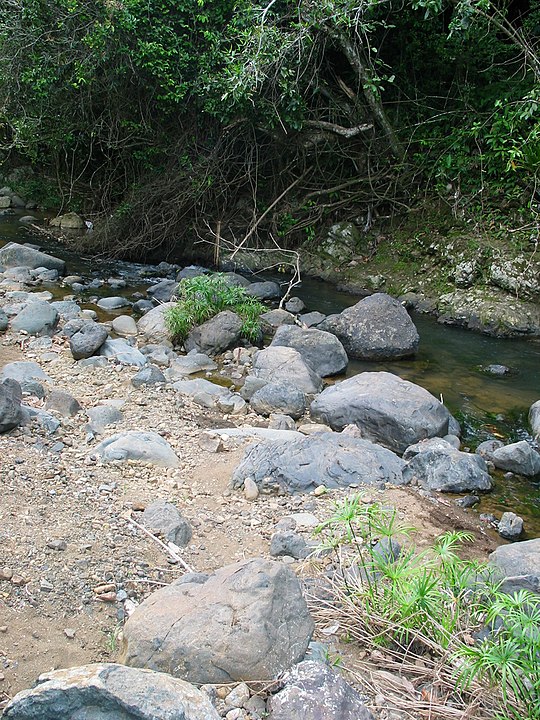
(518, 458)
(322, 351)
(313, 691)
(145, 447)
(510, 526)
(388, 410)
(445, 469)
(376, 328)
(107, 691)
(15, 255)
(247, 621)
(303, 463)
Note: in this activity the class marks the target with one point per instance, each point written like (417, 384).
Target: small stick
(167, 549)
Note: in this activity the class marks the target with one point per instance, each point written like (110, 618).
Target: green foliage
(434, 601)
(203, 297)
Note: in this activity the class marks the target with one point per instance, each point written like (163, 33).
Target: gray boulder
(247, 621)
(445, 469)
(144, 447)
(68, 221)
(4, 322)
(510, 526)
(376, 328)
(153, 324)
(63, 403)
(107, 691)
(193, 362)
(88, 340)
(534, 417)
(303, 463)
(163, 517)
(22, 371)
(236, 280)
(279, 398)
(150, 375)
(274, 319)
(124, 325)
(103, 415)
(312, 318)
(10, 405)
(518, 458)
(113, 303)
(122, 352)
(321, 350)
(163, 290)
(275, 363)
(142, 306)
(313, 691)
(295, 305)
(436, 443)
(15, 255)
(36, 318)
(388, 410)
(288, 542)
(487, 448)
(202, 391)
(267, 290)
(519, 563)
(215, 335)
(67, 309)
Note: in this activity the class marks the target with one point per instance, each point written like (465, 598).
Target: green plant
(203, 297)
(430, 604)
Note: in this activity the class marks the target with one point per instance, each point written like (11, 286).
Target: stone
(274, 363)
(106, 691)
(122, 352)
(321, 350)
(68, 221)
(238, 696)
(150, 375)
(142, 306)
(534, 418)
(16, 255)
(274, 319)
(312, 318)
(153, 324)
(45, 419)
(388, 410)
(67, 309)
(445, 469)
(164, 290)
(164, 518)
(288, 542)
(113, 303)
(386, 550)
(467, 501)
(63, 403)
(124, 325)
(191, 271)
(4, 322)
(267, 290)
(215, 335)
(36, 318)
(313, 691)
(10, 405)
(518, 458)
(145, 447)
(236, 280)
(279, 397)
(251, 385)
(510, 526)
(435, 443)
(487, 448)
(519, 563)
(45, 275)
(202, 391)
(246, 621)
(295, 305)
(193, 362)
(281, 422)
(376, 328)
(302, 463)
(88, 340)
(251, 491)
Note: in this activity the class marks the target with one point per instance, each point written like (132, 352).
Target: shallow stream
(450, 364)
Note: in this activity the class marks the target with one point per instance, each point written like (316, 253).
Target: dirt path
(65, 520)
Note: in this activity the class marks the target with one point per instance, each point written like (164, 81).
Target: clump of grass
(480, 645)
(203, 297)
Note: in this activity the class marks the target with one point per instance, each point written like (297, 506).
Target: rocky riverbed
(112, 422)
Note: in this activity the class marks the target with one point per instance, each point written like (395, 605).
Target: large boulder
(142, 446)
(303, 463)
(23, 371)
(247, 621)
(279, 398)
(388, 410)
(107, 691)
(445, 469)
(313, 691)
(376, 328)
(519, 563)
(266, 290)
(275, 363)
(10, 405)
(215, 335)
(534, 418)
(153, 324)
(322, 351)
(15, 255)
(88, 340)
(202, 391)
(518, 458)
(163, 290)
(122, 352)
(36, 318)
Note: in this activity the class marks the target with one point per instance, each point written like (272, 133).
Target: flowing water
(450, 364)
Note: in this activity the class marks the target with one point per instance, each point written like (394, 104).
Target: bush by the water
(434, 610)
(203, 297)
